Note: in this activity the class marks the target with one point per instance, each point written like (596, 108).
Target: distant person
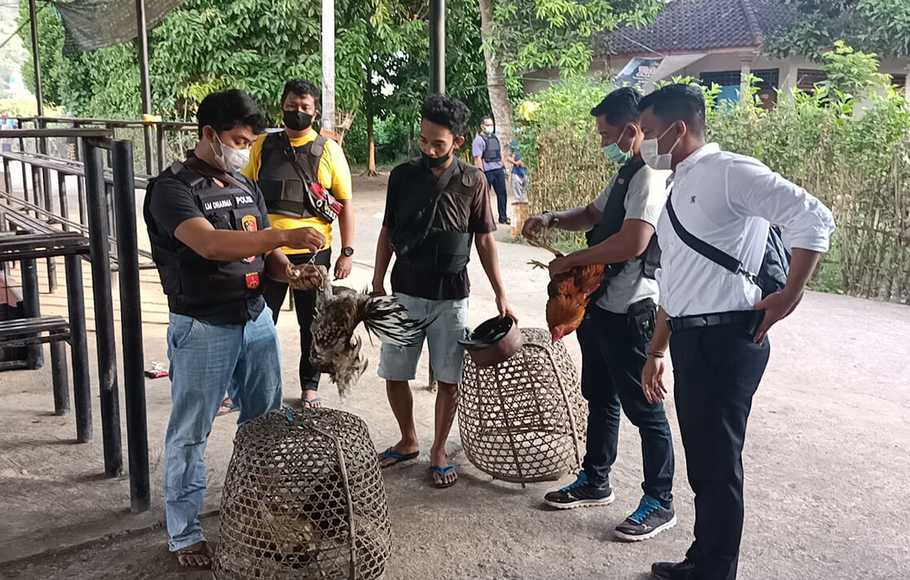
(435, 208)
(286, 182)
(718, 299)
(487, 152)
(212, 244)
(519, 174)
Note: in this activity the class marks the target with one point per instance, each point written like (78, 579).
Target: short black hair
(679, 102)
(225, 110)
(447, 112)
(301, 88)
(620, 107)
(485, 117)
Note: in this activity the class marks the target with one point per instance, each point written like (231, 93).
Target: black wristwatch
(347, 251)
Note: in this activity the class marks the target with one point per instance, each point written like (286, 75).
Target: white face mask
(230, 159)
(653, 158)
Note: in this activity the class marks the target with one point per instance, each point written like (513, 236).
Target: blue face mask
(615, 154)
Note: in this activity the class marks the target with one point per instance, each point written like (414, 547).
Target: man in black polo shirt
(212, 245)
(435, 206)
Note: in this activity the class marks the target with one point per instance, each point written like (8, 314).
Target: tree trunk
(369, 103)
(371, 144)
(496, 85)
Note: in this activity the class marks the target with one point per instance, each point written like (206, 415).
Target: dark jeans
(497, 180)
(305, 306)
(717, 371)
(612, 357)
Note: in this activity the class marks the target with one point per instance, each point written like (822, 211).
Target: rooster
(568, 293)
(339, 311)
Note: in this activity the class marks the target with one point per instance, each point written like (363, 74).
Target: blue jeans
(205, 359)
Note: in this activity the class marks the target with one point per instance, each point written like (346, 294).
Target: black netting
(92, 24)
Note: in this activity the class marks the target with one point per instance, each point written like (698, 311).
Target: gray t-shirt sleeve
(478, 146)
(647, 196)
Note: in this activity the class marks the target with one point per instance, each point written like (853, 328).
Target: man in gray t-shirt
(618, 325)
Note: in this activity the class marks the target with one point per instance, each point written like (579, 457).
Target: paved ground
(826, 461)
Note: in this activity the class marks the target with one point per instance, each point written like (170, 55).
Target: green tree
(880, 26)
(206, 45)
(536, 35)
(522, 36)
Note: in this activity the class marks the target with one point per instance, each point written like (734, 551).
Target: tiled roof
(701, 25)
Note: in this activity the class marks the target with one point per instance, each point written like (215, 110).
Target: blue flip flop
(440, 473)
(390, 457)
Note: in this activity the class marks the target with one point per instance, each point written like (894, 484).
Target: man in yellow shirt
(290, 166)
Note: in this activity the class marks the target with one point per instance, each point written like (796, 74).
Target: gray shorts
(450, 324)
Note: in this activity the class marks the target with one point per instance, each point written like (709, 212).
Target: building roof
(701, 25)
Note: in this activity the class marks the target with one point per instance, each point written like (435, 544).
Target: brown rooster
(569, 292)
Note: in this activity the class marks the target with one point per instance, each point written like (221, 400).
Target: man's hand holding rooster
(561, 265)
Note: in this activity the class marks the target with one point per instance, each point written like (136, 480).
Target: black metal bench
(28, 331)
(35, 330)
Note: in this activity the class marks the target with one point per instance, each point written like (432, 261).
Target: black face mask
(435, 162)
(297, 120)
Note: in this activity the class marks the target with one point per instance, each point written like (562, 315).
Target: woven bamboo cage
(524, 420)
(303, 498)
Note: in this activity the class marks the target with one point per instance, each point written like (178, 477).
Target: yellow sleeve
(341, 172)
(252, 168)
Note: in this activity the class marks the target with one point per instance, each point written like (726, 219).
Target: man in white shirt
(718, 318)
(619, 323)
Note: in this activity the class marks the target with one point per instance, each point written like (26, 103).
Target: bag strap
(291, 154)
(206, 170)
(719, 257)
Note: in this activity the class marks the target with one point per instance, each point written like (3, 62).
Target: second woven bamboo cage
(524, 420)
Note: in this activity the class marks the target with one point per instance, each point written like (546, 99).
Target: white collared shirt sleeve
(752, 189)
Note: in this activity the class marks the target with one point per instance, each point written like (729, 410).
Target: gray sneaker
(650, 519)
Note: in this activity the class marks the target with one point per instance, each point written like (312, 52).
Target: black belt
(743, 317)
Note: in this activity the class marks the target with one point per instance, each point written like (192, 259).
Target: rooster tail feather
(388, 319)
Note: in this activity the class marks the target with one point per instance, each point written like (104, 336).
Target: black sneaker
(581, 493)
(672, 570)
(650, 519)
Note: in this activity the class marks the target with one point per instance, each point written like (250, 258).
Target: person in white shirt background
(714, 321)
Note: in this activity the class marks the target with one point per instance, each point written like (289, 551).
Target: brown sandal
(197, 557)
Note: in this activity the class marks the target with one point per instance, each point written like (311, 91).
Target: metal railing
(170, 138)
(108, 203)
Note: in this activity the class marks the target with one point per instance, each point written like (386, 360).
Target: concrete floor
(826, 460)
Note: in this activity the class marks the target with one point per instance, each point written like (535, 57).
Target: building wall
(792, 71)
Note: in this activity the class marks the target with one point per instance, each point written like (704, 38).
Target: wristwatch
(552, 220)
(347, 251)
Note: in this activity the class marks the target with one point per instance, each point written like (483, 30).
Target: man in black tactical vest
(212, 244)
(619, 322)
(487, 151)
(435, 207)
(306, 182)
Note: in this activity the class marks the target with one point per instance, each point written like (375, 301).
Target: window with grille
(806, 79)
(768, 78)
